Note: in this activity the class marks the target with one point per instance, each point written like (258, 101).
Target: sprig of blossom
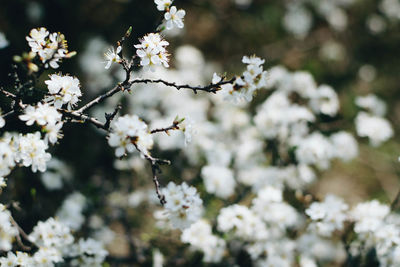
(152, 52)
(31, 151)
(244, 87)
(51, 233)
(183, 205)
(129, 131)
(51, 48)
(63, 90)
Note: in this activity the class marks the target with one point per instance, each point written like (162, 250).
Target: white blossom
(63, 90)
(377, 129)
(218, 180)
(163, 4)
(174, 17)
(184, 206)
(129, 131)
(112, 56)
(151, 51)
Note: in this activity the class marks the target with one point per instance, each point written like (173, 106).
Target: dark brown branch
(83, 118)
(111, 116)
(155, 169)
(174, 126)
(211, 88)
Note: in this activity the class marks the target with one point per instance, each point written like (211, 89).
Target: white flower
(345, 145)
(152, 51)
(51, 48)
(372, 104)
(369, 216)
(184, 206)
(51, 234)
(200, 237)
(129, 131)
(315, 149)
(325, 101)
(252, 79)
(32, 152)
(70, 212)
(242, 221)
(3, 41)
(36, 38)
(328, 215)
(174, 17)
(218, 180)
(43, 114)
(63, 90)
(112, 56)
(377, 129)
(298, 21)
(163, 4)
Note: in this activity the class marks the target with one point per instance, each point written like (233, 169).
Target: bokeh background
(351, 45)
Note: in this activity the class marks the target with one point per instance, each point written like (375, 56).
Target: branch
(84, 118)
(22, 233)
(7, 94)
(211, 88)
(174, 126)
(111, 116)
(155, 168)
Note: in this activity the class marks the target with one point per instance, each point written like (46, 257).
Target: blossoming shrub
(231, 160)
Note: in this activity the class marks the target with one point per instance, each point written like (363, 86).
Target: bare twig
(83, 118)
(111, 116)
(174, 126)
(7, 94)
(211, 88)
(155, 169)
(23, 234)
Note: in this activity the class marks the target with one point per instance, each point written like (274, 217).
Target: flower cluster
(183, 206)
(63, 90)
(252, 79)
(327, 216)
(172, 16)
(199, 236)
(46, 116)
(152, 52)
(51, 48)
(129, 132)
(370, 123)
(31, 151)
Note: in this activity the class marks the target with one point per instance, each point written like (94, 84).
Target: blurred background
(351, 45)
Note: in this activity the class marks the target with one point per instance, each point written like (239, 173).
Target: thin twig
(7, 94)
(155, 169)
(83, 118)
(174, 126)
(111, 116)
(23, 234)
(211, 88)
